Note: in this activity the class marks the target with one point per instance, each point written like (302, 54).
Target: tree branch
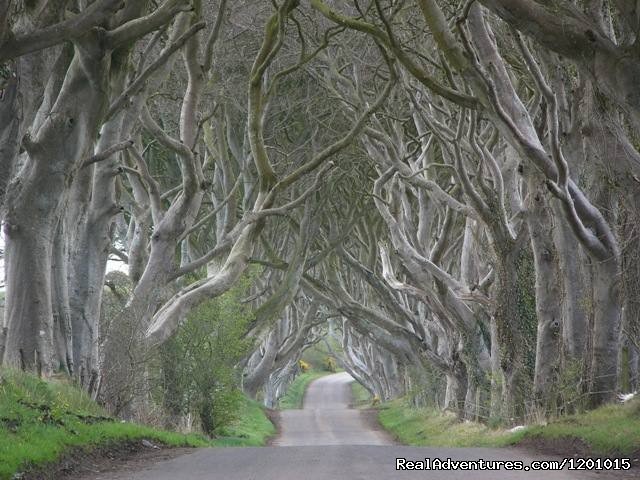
(139, 27)
(152, 187)
(94, 15)
(420, 75)
(104, 155)
(139, 83)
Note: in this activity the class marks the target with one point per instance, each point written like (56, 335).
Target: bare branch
(104, 155)
(214, 212)
(163, 137)
(152, 187)
(139, 83)
(341, 144)
(407, 62)
(214, 36)
(139, 27)
(92, 16)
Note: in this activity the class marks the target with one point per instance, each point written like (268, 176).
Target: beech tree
(453, 185)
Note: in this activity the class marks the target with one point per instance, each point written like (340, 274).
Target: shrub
(304, 366)
(329, 364)
(198, 372)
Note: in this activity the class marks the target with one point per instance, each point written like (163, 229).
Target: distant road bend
(326, 418)
(327, 440)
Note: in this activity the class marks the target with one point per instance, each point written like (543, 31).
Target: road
(326, 418)
(328, 441)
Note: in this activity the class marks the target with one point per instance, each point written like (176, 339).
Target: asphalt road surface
(328, 441)
(326, 418)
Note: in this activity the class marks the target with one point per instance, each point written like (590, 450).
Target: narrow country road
(326, 418)
(328, 441)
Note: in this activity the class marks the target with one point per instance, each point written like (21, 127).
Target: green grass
(295, 393)
(252, 429)
(609, 430)
(40, 421)
(430, 427)
(361, 396)
(612, 429)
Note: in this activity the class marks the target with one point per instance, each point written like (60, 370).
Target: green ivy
(527, 315)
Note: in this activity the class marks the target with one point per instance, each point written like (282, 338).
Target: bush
(329, 364)
(304, 366)
(198, 372)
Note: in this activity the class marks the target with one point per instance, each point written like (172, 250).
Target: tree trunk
(549, 298)
(257, 376)
(9, 132)
(508, 322)
(497, 377)
(634, 363)
(606, 332)
(34, 205)
(456, 389)
(29, 340)
(62, 333)
(575, 326)
(90, 237)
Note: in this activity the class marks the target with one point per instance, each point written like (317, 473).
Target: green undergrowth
(295, 393)
(251, 429)
(41, 421)
(610, 430)
(431, 427)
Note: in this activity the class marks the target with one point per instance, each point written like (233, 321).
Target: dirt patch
(370, 417)
(563, 447)
(86, 464)
(568, 447)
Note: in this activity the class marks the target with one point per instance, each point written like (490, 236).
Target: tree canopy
(449, 188)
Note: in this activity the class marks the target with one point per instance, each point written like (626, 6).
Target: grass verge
(42, 421)
(609, 431)
(252, 429)
(430, 427)
(295, 393)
